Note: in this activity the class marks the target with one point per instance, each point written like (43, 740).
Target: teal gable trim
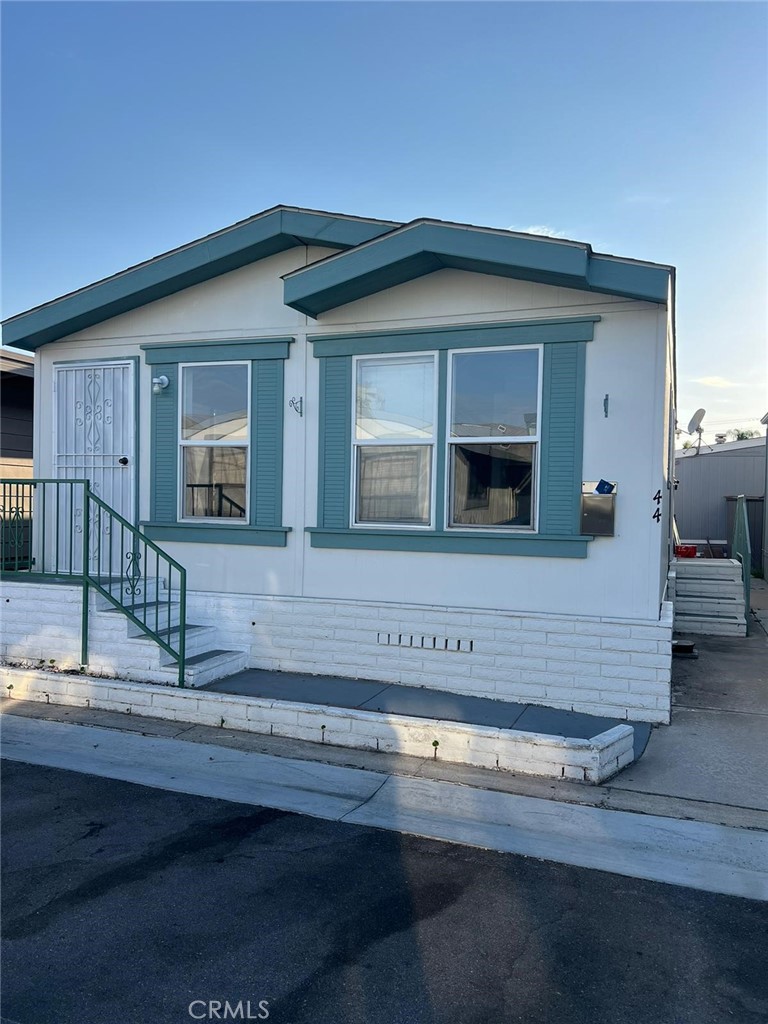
(247, 242)
(189, 533)
(530, 545)
(423, 247)
(214, 352)
(531, 332)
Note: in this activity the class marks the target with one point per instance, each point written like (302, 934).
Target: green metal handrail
(741, 548)
(60, 529)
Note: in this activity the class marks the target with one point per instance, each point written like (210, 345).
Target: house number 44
(657, 512)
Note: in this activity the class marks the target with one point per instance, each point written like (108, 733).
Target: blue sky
(130, 128)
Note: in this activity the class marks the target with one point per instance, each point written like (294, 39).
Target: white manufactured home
(339, 446)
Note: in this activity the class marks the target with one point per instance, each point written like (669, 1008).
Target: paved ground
(125, 904)
(421, 702)
(716, 749)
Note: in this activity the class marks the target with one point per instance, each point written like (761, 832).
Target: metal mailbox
(597, 510)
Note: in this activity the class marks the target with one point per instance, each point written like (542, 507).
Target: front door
(95, 439)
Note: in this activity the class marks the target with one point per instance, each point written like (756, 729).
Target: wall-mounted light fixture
(159, 384)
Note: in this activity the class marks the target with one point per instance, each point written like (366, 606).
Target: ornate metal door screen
(95, 440)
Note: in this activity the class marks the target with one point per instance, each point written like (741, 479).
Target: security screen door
(95, 410)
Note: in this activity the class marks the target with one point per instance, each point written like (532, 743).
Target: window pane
(214, 482)
(395, 398)
(492, 484)
(495, 394)
(394, 484)
(214, 403)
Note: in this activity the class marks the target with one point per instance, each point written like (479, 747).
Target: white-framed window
(214, 441)
(493, 437)
(393, 439)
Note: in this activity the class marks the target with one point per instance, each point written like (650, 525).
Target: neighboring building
(367, 443)
(17, 372)
(708, 482)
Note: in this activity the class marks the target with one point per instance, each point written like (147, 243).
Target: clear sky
(130, 128)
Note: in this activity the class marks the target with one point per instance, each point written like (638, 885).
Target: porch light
(159, 384)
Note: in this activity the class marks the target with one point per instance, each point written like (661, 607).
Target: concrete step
(710, 625)
(138, 647)
(710, 588)
(707, 568)
(155, 614)
(205, 668)
(717, 606)
(143, 590)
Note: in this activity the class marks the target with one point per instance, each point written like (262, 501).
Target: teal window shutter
(335, 453)
(267, 442)
(165, 438)
(562, 439)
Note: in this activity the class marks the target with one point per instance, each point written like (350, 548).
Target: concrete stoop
(709, 597)
(590, 760)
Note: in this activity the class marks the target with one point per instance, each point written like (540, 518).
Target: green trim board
(424, 246)
(248, 241)
(218, 351)
(531, 332)
(191, 533)
(448, 541)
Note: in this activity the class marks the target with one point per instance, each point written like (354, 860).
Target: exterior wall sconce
(159, 384)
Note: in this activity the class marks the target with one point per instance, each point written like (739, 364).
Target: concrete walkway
(693, 812)
(714, 858)
(423, 702)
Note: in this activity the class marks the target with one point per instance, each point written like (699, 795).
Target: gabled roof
(265, 234)
(423, 246)
(375, 254)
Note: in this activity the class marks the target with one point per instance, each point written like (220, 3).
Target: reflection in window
(495, 393)
(214, 482)
(394, 440)
(394, 484)
(214, 414)
(494, 396)
(492, 484)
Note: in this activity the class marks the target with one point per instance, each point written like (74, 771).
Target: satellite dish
(695, 424)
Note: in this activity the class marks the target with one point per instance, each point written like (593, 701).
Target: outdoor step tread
(207, 656)
(131, 607)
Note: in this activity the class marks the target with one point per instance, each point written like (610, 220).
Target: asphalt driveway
(138, 906)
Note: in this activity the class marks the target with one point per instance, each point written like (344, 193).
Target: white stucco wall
(627, 360)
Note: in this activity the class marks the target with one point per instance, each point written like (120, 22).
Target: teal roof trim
(423, 247)
(243, 243)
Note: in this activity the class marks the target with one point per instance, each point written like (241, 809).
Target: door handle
(123, 461)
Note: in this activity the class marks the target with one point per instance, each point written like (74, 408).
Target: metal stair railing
(54, 529)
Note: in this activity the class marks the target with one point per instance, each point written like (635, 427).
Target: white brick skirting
(590, 760)
(614, 667)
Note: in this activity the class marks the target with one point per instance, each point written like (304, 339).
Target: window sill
(535, 545)
(210, 533)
